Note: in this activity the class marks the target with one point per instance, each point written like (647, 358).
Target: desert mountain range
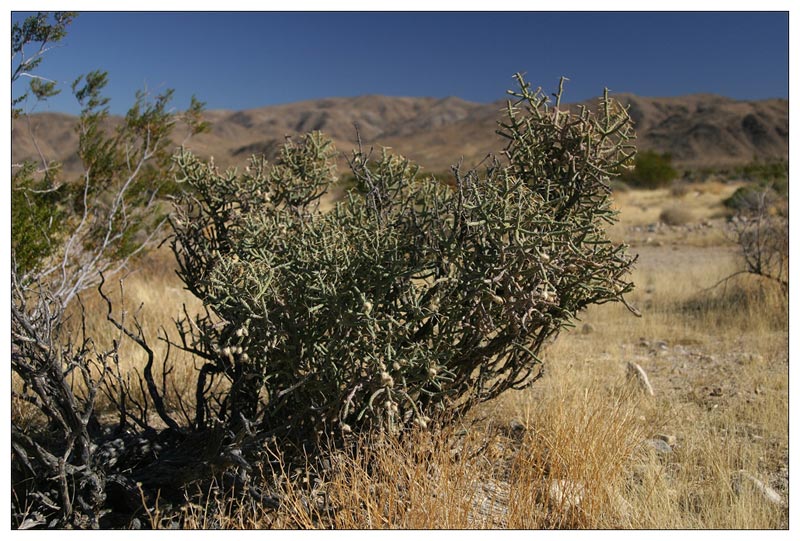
(698, 130)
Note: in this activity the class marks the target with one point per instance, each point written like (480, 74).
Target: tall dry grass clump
(566, 472)
(572, 469)
(718, 361)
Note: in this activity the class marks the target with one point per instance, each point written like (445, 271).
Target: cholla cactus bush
(411, 299)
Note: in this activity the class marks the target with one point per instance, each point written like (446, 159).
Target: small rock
(32, 522)
(566, 494)
(669, 439)
(517, 428)
(753, 358)
(762, 488)
(637, 373)
(623, 508)
(587, 328)
(490, 500)
(659, 446)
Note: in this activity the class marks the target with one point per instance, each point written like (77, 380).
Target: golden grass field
(584, 447)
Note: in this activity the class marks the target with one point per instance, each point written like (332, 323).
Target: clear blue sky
(246, 60)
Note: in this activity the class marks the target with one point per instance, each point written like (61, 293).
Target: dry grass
(704, 201)
(700, 224)
(575, 450)
(719, 364)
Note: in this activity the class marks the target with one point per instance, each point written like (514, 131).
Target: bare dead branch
(139, 339)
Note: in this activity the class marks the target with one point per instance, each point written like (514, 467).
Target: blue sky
(245, 60)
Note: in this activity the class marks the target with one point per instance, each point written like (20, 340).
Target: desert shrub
(675, 215)
(761, 231)
(38, 32)
(411, 299)
(744, 300)
(35, 194)
(651, 170)
(64, 236)
(781, 187)
(36, 217)
(764, 172)
(749, 199)
(744, 198)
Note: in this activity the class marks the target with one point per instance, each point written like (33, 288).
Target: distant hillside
(705, 130)
(698, 130)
